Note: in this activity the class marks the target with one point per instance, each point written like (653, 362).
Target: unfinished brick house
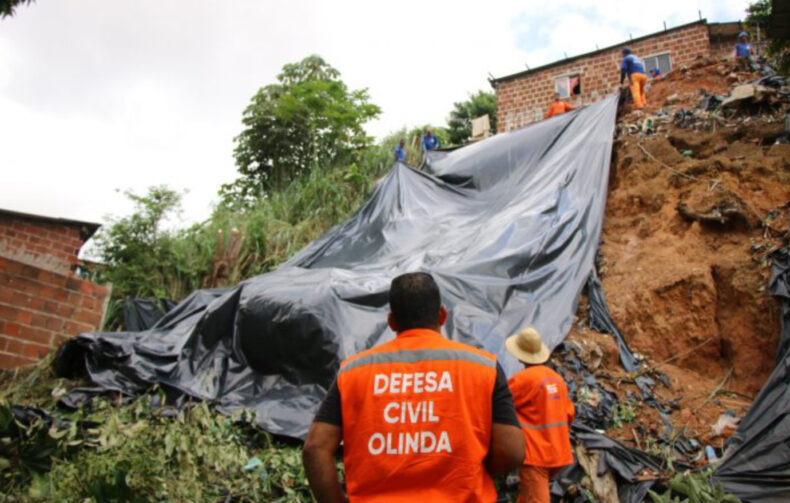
(42, 300)
(524, 97)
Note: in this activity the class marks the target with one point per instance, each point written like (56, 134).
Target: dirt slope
(695, 206)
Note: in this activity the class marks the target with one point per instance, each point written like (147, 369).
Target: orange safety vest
(417, 420)
(545, 413)
(557, 108)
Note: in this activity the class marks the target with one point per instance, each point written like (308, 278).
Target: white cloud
(98, 95)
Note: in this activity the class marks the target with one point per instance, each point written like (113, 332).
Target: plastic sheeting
(142, 314)
(756, 465)
(601, 320)
(509, 227)
(627, 465)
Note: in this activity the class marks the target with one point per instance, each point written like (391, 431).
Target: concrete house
(524, 96)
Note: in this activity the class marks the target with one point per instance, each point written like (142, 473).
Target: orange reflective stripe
(417, 420)
(419, 355)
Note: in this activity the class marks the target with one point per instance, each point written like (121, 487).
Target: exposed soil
(691, 216)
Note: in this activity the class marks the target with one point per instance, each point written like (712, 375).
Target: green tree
(459, 125)
(758, 16)
(308, 119)
(7, 7)
(758, 13)
(134, 248)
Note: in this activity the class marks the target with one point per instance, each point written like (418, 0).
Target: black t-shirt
(502, 409)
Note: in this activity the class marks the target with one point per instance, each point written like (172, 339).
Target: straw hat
(528, 347)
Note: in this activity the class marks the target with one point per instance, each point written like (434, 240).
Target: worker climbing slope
(743, 52)
(633, 68)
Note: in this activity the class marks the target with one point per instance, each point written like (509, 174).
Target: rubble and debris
(721, 212)
(749, 94)
(726, 424)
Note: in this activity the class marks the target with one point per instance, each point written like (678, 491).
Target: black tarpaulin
(601, 320)
(628, 465)
(509, 228)
(141, 314)
(756, 465)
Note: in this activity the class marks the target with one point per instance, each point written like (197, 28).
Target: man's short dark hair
(415, 301)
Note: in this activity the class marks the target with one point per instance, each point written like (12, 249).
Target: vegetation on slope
(133, 451)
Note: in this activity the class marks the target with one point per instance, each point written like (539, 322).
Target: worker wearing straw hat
(545, 413)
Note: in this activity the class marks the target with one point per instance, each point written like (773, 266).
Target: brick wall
(524, 99)
(39, 309)
(47, 245)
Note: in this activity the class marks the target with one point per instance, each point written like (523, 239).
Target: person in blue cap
(634, 68)
(400, 151)
(429, 140)
(743, 51)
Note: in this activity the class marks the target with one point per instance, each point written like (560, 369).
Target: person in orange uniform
(422, 418)
(634, 69)
(545, 414)
(558, 107)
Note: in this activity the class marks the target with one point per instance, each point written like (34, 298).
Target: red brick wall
(39, 309)
(524, 99)
(50, 246)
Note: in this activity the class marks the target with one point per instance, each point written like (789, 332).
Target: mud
(690, 219)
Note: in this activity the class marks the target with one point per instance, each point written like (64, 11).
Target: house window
(568, 85)
(661, 61)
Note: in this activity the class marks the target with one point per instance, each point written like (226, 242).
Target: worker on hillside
(557, 107)
(545, 413)
(429, 140)
(743, 51)
(400, 151)
(422, 418)
(634, 68)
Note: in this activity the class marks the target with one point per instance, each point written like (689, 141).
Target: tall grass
(236, 243)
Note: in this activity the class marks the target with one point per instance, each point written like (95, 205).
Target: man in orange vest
(558, 107)
(545, 413)
(422, 418)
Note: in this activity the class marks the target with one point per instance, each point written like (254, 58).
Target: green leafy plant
(623, 412)
(143, 451)
(693, 487)
(25, 449)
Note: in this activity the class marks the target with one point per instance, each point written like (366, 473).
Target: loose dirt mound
(696, 203)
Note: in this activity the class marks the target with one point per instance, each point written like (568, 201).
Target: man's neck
(432, 329)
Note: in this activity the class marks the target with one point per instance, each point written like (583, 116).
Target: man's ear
(442, 315)
(391, 323)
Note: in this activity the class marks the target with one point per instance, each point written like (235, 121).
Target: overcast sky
(97, 95)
